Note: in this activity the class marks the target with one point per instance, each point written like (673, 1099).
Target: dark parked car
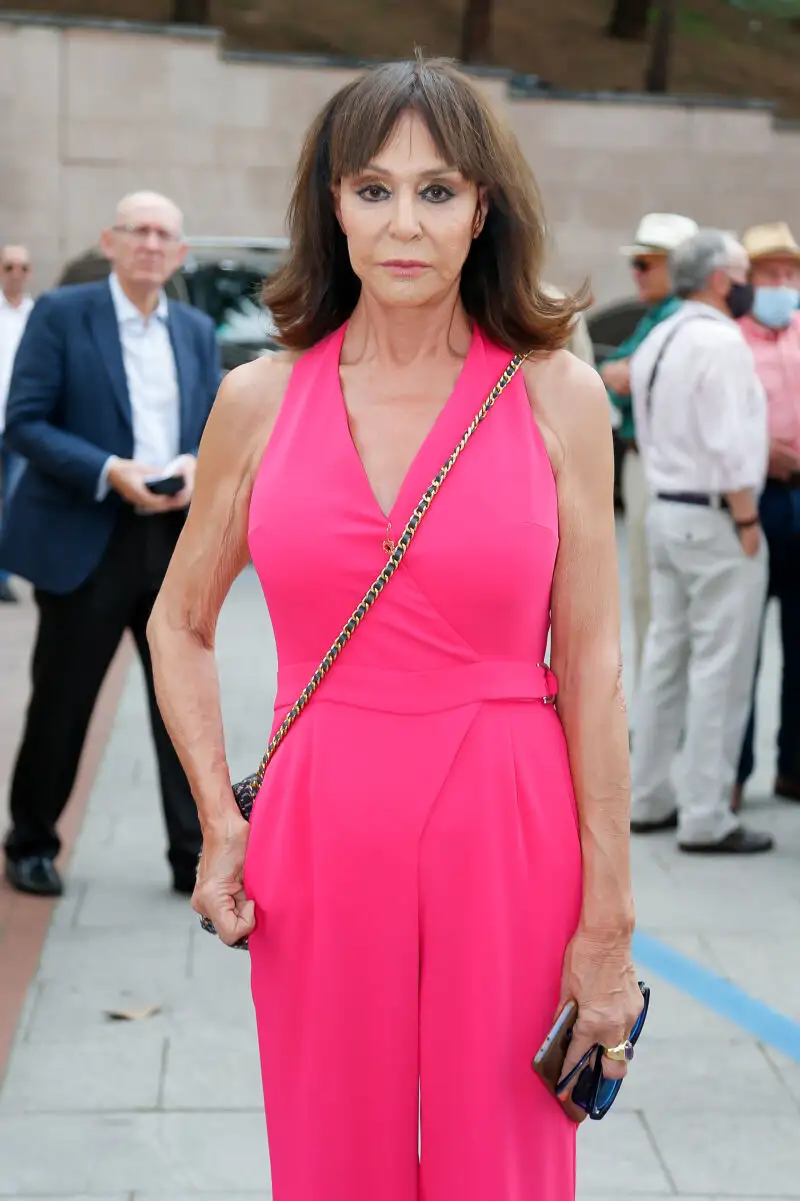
(221, 276)
(608, 329)
(612, 324)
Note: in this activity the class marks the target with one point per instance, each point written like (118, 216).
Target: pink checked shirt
(777, 356)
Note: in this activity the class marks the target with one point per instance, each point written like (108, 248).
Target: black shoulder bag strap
(664, 348)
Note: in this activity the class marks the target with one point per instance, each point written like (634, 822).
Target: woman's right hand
(219, 891)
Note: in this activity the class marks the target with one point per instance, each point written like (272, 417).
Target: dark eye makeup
(434, 193)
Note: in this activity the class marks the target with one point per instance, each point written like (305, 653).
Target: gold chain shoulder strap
(394, 561)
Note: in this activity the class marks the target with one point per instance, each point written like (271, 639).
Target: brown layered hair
(316, 290)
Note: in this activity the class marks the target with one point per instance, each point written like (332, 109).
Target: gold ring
(622, 1053)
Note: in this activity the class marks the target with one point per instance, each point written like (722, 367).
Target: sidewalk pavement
(167, 1107)
(24, 921)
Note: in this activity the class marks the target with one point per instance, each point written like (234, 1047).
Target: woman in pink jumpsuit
(421, 889)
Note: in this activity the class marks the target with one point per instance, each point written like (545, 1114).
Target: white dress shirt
(152, 380)
(12, 323)
(705, 428)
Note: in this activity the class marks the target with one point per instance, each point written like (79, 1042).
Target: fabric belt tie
(389, 691)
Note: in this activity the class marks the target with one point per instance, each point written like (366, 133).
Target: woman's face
(409, 218)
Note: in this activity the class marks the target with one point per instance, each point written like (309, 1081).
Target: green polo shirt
(649, 321)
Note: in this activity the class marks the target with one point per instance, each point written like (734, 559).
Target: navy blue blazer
(68, 410)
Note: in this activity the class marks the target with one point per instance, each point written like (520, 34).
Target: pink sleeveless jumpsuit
(414, 855)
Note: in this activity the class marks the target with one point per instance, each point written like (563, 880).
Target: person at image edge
(112, 384)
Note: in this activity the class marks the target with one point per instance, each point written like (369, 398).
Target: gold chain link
(394, 561)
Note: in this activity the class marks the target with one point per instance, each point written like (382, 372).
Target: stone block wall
(89, 112)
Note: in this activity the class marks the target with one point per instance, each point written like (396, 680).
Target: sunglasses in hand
(592, 1091)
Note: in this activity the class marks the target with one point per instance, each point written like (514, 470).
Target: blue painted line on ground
(763, 1022)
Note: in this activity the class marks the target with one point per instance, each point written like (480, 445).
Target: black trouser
(780, 518)
(77, 638)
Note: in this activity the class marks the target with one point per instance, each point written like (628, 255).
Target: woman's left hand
(599, 975)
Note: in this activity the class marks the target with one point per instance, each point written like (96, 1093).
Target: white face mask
(775, 307)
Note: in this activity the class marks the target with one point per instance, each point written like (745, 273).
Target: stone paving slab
(172, 1152)
(117, 1069)
(751, 1154)
(67, 1011)
(219, 1071)
(674, 1015)
(787, 1069)
(768, 966)
(625, 1162)
(657, 1087)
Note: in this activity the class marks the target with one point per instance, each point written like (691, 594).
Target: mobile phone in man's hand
(165, 485)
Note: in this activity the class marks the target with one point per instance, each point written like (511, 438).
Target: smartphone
(549, 1060)
(168, 485)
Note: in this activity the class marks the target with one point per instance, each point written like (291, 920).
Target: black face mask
(740, 300)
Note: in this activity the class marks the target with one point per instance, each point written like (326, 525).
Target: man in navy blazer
(111, 389)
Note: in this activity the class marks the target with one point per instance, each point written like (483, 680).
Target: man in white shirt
(15, 305)
(702, 430)
(111, 388)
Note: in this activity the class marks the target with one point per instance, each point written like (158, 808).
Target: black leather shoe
(670, 822)
(7, 594)
(786, 789)
(183, 879)
(35, 874)
(740, 841)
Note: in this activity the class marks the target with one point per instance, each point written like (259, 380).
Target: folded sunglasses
(592, 1090)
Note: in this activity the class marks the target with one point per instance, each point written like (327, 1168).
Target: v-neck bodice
(476, 581)
(400, 509)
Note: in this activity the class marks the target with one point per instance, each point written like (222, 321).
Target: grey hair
(694, 262)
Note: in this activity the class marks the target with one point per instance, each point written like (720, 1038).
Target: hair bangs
(370, 111)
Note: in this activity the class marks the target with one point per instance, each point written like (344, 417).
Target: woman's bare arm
(570, 404)
(210, 554)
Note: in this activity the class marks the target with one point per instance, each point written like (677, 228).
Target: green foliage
(782, 10)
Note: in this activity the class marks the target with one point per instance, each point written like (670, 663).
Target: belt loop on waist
(550, 683)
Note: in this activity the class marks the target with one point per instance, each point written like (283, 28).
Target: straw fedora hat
(772, 241)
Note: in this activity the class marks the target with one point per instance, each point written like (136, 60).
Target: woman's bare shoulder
(570, 404)
(245, 410)
(251, 394)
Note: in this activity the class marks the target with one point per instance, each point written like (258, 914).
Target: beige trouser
(697, 670)
(635, 498)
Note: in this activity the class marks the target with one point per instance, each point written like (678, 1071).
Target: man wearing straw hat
(773, 332)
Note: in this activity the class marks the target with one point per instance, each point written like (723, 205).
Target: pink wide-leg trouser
(416, 882)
